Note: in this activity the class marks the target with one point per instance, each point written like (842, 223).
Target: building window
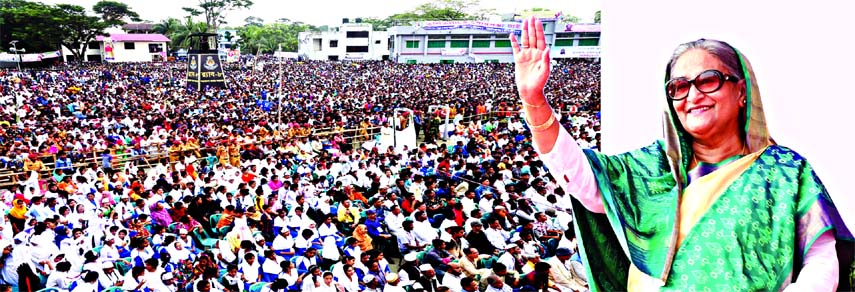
(446, 61)
(94, 45)
(155, 48)
(333, 43)
(357, 49)
(357, 34)
(459, 44)
(377, 42)
(130, 46)
(436, 44)
(502, 44)
(412, 44)
(563, 43)
(589, 42)
(412, 62)
(590, 35)
(436, 37)
(460, 37)
(481, 44)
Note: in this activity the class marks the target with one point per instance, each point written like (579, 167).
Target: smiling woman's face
(708, 116)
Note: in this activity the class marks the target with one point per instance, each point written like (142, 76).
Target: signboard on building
(506, 27)
(581, 27)
(576, 52)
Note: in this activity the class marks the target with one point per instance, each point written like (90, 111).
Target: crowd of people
(124, 179)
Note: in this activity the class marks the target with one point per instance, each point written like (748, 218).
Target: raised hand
(531, 62)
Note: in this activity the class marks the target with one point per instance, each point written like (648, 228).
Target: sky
(331, 12)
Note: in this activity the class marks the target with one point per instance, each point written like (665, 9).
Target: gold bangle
(541, 127)
(533, 106)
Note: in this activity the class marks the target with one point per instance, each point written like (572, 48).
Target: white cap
(368, 278)
(426, 267)
(410, 257)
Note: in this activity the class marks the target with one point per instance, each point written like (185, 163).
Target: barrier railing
(10, 176)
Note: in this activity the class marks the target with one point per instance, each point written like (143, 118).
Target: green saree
(753, 237)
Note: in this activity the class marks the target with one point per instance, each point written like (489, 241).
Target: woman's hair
(721, 50)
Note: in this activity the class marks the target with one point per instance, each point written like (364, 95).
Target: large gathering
(119, 177)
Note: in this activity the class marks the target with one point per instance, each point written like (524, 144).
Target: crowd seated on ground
(124, 180)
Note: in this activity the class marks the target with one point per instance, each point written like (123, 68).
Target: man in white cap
(371, 284)
(428, 280)
(511, 257)
(108, 277)
(393, 283)
(166, 284)
(409, 269)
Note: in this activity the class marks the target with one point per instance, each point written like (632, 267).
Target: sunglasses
(708, 81)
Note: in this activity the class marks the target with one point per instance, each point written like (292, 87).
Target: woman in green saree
(716, 205)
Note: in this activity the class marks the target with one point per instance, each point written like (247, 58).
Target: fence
(10, 177)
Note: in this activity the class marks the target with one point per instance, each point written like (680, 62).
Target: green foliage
(267, 38)
(252, 20)
(179, 31)
(597, 17)
(31, 24)
(215, 11)
(114, 13)
(77, 28)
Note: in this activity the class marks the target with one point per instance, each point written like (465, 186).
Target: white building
(124, 48)
(350, 41)
(483, 41)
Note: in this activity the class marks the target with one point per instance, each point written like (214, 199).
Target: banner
(507, 27)
(233, 56)
(205, 70)
(453, 52)
(5, 57)
(583, 27)
(108, 49)
(576, 52)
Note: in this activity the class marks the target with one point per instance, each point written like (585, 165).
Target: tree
(215, 11)
(77, 28)
(377, 23)
(252, 20)
(114, 13)
(29, 23)
(597, 17)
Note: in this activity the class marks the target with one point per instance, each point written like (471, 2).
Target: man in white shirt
(451, 278)
(424, 232)
(496, 235)
(395, 220)
(108, 276)
(166, 284)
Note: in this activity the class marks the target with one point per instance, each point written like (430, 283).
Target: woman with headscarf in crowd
(160, 215)
(363, 239)
(18, 215)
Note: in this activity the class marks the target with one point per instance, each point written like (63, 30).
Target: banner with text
(506, 27)
(205, 70)
(576, 52)
(24, 58)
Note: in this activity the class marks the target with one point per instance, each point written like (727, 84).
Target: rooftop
(135, 37)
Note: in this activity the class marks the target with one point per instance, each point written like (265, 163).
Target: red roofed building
(125, 47)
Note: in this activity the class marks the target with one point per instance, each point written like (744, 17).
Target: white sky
(330, 12)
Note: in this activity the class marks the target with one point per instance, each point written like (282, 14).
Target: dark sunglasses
(708, 81)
